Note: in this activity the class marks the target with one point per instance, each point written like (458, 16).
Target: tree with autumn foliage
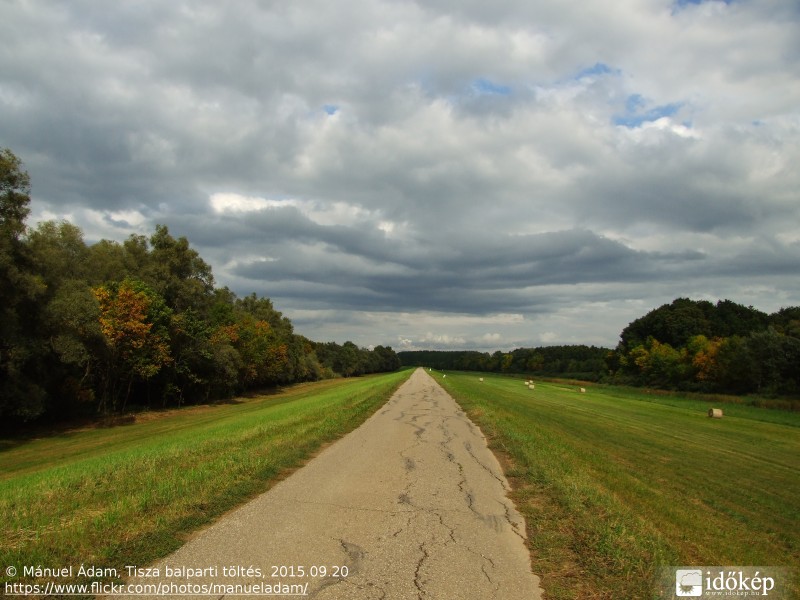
(703, 353)
(134, 321)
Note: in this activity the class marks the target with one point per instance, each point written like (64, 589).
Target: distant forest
(579, 362)
(691, 345)
(103, 327)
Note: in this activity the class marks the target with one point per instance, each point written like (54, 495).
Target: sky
(438, 174)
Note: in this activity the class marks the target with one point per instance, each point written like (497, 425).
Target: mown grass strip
(128, 495)
(615, 484)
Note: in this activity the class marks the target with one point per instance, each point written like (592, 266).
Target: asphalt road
(412, 504)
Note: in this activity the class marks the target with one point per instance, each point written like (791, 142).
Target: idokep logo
(770, 582)
(689, 582)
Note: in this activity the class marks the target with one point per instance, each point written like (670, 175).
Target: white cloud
(650, 132)
(441, 340)
(236, 203)
(319, 212)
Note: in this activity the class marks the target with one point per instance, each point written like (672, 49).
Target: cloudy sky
(434, 174)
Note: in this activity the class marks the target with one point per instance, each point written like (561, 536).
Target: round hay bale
(531, 387)
(481, 379)
(715, 413)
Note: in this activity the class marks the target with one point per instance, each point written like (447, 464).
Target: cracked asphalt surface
(412, 504)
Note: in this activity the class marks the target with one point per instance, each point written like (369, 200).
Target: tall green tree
(176, 271)
(15, 189)
(67, 326)
(21, 395)
(774, 361)
(74, 340)
(58, 254)
(107, 261)
(671, 324)
(734, 366)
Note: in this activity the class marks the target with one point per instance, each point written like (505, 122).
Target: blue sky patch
(635, 114)
(331, 109)
(634, 103)
(678, 4)
(598, 69)
(486, 87)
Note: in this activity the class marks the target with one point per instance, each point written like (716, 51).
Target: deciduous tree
(21, 394)
(134, 321)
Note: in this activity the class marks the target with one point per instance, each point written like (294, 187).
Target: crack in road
(490, 471)
(421, 593)
(445, 446)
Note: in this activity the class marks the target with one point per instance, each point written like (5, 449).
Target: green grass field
(129, 494)
(615, 483)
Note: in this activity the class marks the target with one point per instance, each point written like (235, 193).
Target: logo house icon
(689, 582)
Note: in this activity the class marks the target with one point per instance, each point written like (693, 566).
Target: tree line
(105, 326)
(715, 347)
(689, 345)
(575, 361)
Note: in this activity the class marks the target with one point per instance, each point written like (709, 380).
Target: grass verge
(130, 494)
(615, 483)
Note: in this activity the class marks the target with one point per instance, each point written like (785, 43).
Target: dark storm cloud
(493, 274)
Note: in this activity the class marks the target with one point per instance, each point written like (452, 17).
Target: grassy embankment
(129, 494)
(615, 483)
